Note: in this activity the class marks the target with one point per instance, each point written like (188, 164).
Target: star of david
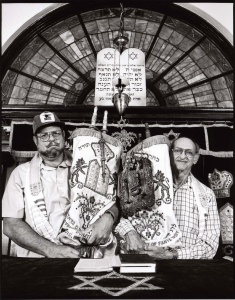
(121, 123)
(133, 56)
(108, 56)
(172, 135)
(136, 283)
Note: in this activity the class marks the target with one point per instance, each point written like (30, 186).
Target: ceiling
(53, 62)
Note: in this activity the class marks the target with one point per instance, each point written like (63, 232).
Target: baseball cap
(45, 119)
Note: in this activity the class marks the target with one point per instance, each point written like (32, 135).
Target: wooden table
(29, 278)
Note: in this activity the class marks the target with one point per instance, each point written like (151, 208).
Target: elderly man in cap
(37, 196)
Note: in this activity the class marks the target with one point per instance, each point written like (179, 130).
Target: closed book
(137, 263)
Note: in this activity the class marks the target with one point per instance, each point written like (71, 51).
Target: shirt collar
(186, 184)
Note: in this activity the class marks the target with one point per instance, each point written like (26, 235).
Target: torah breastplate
(136, 188)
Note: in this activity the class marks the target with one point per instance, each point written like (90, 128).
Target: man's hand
(158, 252)
(62, 251)
(23, 235)
(65, 239)
(134, 242)
(100, 230)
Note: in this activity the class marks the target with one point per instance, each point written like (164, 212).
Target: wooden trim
(135, 114)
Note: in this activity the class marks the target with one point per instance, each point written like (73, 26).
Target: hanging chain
(120, 34)
(121, 20)
(128, 77)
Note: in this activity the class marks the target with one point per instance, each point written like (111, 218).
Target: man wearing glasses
(194, 206)
(37, 196)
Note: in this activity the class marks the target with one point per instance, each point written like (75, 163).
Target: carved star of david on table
(137, 283)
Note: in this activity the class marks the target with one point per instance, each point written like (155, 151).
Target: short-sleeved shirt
(55, 185)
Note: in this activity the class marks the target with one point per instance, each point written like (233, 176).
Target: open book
(137, 263)
(105, 264)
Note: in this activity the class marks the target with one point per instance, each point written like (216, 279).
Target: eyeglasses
(178, 151)
(44, 137)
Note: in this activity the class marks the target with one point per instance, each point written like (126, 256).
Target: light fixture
(121, 102)
(120, 99)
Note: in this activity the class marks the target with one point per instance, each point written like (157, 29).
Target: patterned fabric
(157, 226)
(226, 223)
(136, 190)
(194, 244)
(123, 227)
(96, 158)
(35, 182)
(187, 214)
(35, 201)
(41, 225)
(220, 182)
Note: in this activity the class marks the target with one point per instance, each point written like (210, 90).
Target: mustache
(182, 160)
(52, 144)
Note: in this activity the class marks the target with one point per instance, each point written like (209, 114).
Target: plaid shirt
(187, 216)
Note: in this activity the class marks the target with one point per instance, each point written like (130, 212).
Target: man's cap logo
(47, 117)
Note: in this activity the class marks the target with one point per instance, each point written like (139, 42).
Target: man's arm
(133, 241)
(23, 235)
(102, 228)
(114, 212)
(204, 247)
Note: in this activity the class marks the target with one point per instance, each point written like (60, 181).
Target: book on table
(104, 264)
(137, 263)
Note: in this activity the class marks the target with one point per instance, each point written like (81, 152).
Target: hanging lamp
(120, 99)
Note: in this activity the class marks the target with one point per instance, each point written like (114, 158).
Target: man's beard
(53, 151)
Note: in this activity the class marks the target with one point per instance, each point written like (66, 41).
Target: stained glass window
(185, 66)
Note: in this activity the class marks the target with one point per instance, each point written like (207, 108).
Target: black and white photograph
(117, 163)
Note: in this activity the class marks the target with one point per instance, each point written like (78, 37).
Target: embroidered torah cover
(93, 181)
(157, 224)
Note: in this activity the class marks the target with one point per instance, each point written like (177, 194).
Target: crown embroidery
(220, 183)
